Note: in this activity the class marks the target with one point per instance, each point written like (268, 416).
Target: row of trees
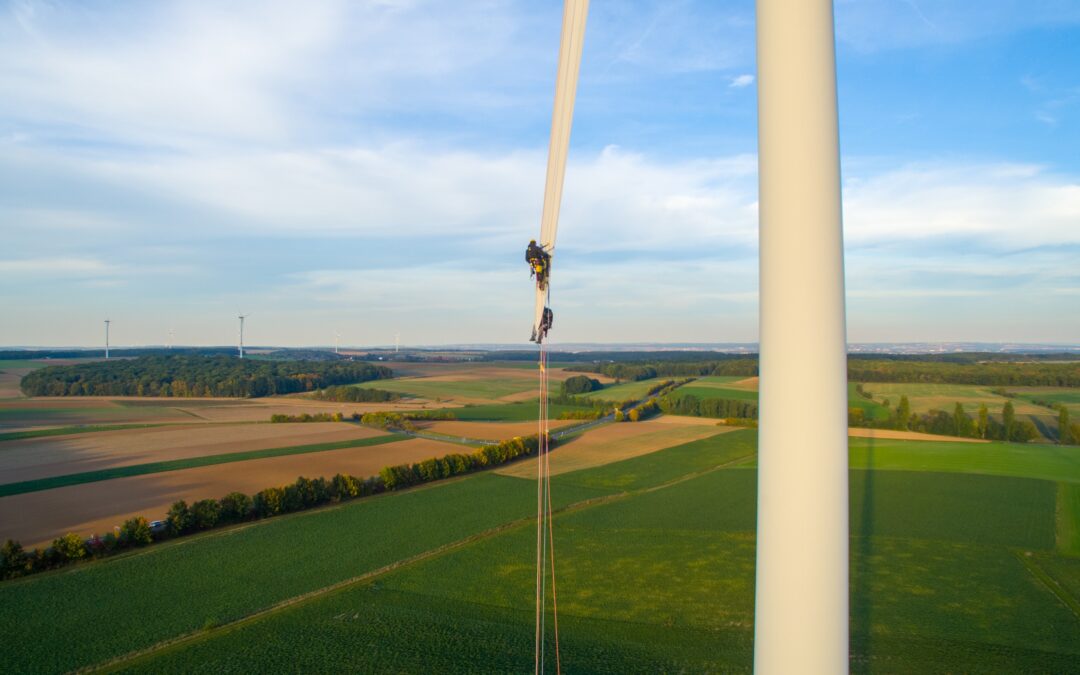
(862, 369)
(1031, 374)
(16, 562)
(401, 420)
(235, 507)
(720, 408)
(188, 376)
(347, 394)
(956, 423)
(405, 475)
(281, 418)
(579, 384)
(644, 371)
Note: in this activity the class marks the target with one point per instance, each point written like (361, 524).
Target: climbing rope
(573, 37)
(545, 529)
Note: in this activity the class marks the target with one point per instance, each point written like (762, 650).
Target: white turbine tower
(397, 342)
(242, 317)
(169, 345)
(107, 322)
(337, 338)
(801, 606)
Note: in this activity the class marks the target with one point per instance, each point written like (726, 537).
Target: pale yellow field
(34, 458)
(617, 441)
(894, 434)
(36, 518)
(749, 384)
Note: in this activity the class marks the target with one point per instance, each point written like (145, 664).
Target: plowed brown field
(36, 518)
(60, 455)
(616, 441)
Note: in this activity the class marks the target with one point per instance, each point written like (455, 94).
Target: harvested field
(747, 384)
(37, 518)
(893, 434)
(9, 380)
(687, 420)
(617, 441)
(52, 412)
(61, 455)
(926, 397)
(493, 431)
(261, 409)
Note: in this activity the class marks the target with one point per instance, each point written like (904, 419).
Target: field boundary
(71, 430)
(36, 485)
(1048, 580)
(165, 646)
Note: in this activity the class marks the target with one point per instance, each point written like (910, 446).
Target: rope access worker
(545, 325)
(539, 262)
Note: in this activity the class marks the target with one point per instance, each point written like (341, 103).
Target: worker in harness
(545, 325)
(539, 262)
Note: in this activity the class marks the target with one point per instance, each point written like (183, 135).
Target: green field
(521, 411)
(662, 581)
(627, 391)
(656, 576)
(60, 621)
(926, 397)
(8, 489)
(1049, 462)
(491, 388)
(1070, 398)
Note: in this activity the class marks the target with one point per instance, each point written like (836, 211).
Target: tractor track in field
(121, 662)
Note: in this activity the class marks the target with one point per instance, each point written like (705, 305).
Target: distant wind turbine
(337, 337)
(107, 322)
(397, 342)
(169, 345)
(242, 317)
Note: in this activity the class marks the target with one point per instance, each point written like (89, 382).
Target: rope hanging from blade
(539, 256)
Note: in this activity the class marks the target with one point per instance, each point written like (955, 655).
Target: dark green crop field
(951, 572)
(60, 621)
(662, 581)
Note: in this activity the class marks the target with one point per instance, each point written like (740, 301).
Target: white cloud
(1003, 206)
(740, 81)
(56, 267)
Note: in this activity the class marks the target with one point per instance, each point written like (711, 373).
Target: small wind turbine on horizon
(107, 322)
(169, 344)
(242, 317)
(397, 342)
(337, 338)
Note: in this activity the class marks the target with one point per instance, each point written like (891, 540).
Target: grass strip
(65, 431)
(23, 487)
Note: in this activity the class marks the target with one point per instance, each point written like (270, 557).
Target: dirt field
(9, 381)
(494, 431)
(260, 410)
(37, 518)
(613, 442)
(749, 384)
(893, 434)
(59, 455)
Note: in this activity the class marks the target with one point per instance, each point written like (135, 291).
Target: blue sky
(370, 168)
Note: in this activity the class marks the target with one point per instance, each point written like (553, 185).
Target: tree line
(236, 507)
(863, 369)
(957, 423)
(191, 376)
(348, 394)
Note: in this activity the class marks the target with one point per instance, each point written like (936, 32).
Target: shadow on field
(861, 562)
